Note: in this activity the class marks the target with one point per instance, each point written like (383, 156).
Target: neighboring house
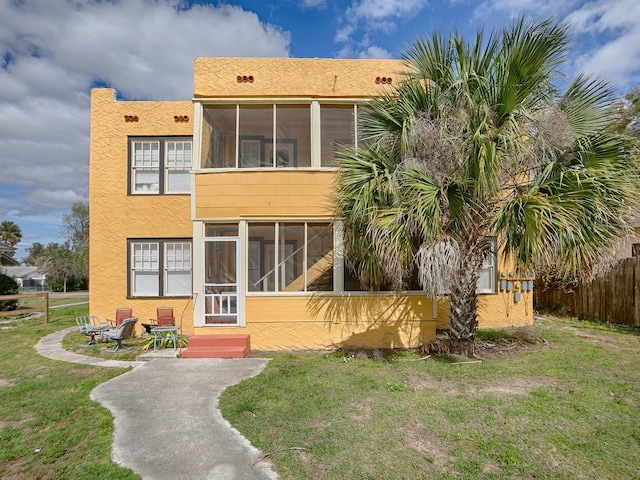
(28, 278)
(6, 255)
(221, 208)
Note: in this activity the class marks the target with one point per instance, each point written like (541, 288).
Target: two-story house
(221, 208)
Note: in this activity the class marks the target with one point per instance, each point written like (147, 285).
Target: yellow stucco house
(220, 208)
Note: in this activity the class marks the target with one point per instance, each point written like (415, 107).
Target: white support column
(316, 127)
(197, 273)
(338, 256)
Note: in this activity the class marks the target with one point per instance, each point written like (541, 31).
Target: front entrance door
(221, 281)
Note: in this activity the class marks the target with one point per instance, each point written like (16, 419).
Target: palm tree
(478, 151)
(10, 233)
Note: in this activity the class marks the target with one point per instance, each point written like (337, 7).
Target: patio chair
(91, 326)
(121, 315)
(120, 333)
(164, 318)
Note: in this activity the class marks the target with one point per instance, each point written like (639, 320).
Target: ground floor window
(290, 257)
(286, 256)
(159, 268)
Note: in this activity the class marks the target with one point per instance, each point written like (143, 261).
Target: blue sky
(53, 51)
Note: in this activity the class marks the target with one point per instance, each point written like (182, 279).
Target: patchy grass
(562, 406)
(77, 342)
(55, 299)
(49, 428)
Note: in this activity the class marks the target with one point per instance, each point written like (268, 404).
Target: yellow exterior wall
(327, 321)
(292, 77)
(116, 216)
(272, 193)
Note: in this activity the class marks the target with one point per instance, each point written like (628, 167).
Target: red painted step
(217, 346)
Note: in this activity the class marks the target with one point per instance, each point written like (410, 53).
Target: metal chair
(120, 333)
(91, 326)
(121, 315)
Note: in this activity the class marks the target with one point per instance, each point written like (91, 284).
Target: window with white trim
(159, 268)
(487, 282)
(160, 165)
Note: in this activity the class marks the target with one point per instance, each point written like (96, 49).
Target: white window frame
(180, 264)
(159, 265)
(183, 162)
(141, 164)
(489, 270)
(160, 163)
(148, 264)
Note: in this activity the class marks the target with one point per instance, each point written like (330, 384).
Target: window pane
(291, 257)
(147, 180)
(319, 257)
(146, 154)
(145, 283)
(178, 164)
(256, 125)
(293, 134)
(221, 230)
(487, 280)
(145, 256)
(178, 256)
(219, 137)
(179, 154)
(262, 257)
(178, 283)
(337, 129)
(178, 180)
(220, 263)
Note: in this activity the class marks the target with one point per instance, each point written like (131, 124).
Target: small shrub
(8, 286)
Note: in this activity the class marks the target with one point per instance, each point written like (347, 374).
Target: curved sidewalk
(51, 347)
(167, 424)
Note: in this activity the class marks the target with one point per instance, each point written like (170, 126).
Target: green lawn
(49, 428)
(564, 409)
(55, 299)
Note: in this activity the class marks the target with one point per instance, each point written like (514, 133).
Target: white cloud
(617, 25)
(314, 3)
(369, 17)
(52, 52)
(605, 33)
(374, 51)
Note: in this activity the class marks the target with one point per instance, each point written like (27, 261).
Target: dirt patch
(4, 383)
(503, 386)
(594, 336)
(432, 448)
(509, 386)
(361, 411)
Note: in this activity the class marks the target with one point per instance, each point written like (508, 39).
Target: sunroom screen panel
(337, 126)
(293, 135)
(219, 136)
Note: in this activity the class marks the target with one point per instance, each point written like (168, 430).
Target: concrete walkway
(167, 424)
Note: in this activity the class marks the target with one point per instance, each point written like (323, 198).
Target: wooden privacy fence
(44, 308)
(613, 297)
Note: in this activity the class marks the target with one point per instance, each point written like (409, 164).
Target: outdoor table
(92, 331)
(169, 332)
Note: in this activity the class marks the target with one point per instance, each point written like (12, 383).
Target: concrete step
(217, 346)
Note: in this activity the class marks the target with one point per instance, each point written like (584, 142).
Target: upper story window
(256, 136)
(337, 127)
(276, 135)
(160, 165)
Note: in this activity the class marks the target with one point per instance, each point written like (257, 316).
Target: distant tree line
(66, 265)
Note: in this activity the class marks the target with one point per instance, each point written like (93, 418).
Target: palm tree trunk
(463, 319)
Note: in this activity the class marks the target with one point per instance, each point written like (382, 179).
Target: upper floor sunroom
(265, 113)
